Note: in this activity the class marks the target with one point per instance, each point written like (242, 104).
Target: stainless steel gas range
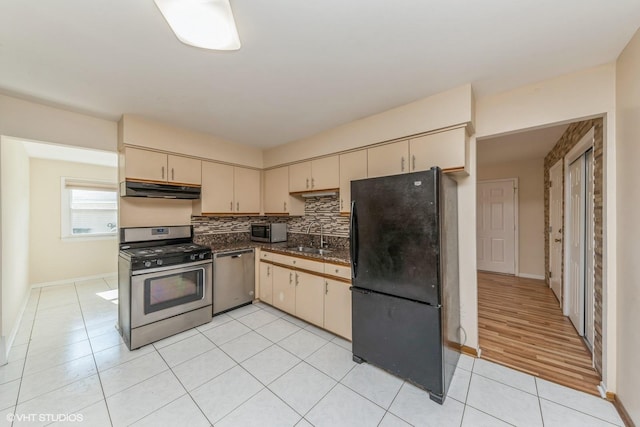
(164, 283)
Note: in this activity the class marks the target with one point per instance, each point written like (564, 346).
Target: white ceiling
(533, 144)
(304, 66)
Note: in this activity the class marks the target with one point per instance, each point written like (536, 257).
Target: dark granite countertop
(339, 256)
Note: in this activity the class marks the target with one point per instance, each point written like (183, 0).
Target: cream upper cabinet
(310, 298)
(389, 159)
(352, 166)
(145, 165)
(159, 167)
(300, 177)
(217, 189)
(183, 170)
(246, 189)
(446, 150)
(266, 283)
(316, 175)
(276, 194)
(228, 190)
(325, 173)
(284, 289)
(337, 307)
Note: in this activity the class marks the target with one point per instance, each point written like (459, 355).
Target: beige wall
(135, 130)
(586, 93)
(628, 209)
(14, 198)
(38, 122)
(441, 110)
(530, 174)
(51, 258)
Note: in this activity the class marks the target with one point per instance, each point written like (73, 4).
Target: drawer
(279, 258)
(307, 264)
(343, 271)
(266, 255)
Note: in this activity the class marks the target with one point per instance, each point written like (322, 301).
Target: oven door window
(163, 292)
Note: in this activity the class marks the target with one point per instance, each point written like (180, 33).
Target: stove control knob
(147, 264)
(201, 256)
(193, 257)
(159, 262)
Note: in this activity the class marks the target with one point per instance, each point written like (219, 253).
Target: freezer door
(395, 237)
(399, 336)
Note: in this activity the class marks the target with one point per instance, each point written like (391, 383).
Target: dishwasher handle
(233, 254)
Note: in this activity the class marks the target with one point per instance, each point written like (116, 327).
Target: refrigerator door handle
(358, 290)
(353, 243)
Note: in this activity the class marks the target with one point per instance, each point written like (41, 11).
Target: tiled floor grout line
(95, 363)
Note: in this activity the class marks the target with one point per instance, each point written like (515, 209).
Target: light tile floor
(252, 366)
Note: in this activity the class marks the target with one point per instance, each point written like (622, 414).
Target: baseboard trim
(72, 280)
(622, 411)
(530, 276)
(469, 351)
(8, 342)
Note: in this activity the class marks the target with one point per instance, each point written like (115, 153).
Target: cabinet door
(284, 289)
(217, 188)
(266, 283)
(352, 166)
(276, 190)
(325, 173)
(444, 149)
(145, 165)
(390, 159)
(300, 177)
(310, 298)
(183, 170)
(246, 189)
(337, 308)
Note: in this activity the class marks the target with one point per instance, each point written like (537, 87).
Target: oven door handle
(183, 267)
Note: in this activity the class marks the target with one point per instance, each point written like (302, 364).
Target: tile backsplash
(318, 212)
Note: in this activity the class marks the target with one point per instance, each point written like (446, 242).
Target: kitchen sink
(308, 250)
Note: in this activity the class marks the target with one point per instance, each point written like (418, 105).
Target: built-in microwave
(270, 233)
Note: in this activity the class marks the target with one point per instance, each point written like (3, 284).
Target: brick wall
(567, 141)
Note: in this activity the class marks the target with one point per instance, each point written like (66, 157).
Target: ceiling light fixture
(207, 24)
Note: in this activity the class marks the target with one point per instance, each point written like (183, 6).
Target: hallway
(521, 326)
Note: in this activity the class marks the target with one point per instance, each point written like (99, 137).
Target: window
(89, 208)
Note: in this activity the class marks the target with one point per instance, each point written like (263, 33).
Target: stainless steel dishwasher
(233, 279)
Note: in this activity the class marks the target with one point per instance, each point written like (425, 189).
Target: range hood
(160, 191)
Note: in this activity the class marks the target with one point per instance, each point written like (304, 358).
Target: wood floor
(521, 326)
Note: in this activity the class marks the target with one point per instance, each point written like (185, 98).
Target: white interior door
(555, 230)
(496, 222)
(589, 303)
(576, 248)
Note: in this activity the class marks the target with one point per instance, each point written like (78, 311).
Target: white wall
(628, 209)
(586, 93)
(14, 198)
(530, 174)
(51, 258)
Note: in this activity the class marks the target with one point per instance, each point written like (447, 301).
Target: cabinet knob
(238, 206)
(162, 172)
(337, 270)
(312, 182)
(413, 159)
(172, 175)
(231, 206)
(307, 182)
(326, 287)
(285, 206)
(402, 164)
(290, 277)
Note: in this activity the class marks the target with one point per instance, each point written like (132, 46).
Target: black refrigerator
(405, 290)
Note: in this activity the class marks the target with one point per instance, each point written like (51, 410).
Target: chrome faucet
(321, 232)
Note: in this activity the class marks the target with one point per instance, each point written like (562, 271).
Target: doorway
(579, 248)
(497, 227)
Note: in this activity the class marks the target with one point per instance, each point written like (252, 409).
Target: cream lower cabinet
(284, 289)
(266, 283)
(337, 307)
(310, 298)
(299, 291)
